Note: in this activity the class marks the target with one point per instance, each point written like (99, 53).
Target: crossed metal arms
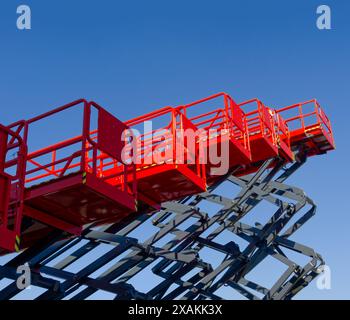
(175, 253)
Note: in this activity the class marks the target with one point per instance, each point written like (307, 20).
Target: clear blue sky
(135, 56)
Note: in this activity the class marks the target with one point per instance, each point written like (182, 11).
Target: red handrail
(88, 143)
(321, 117)
(230, 117)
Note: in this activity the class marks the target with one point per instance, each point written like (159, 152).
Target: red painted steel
(98, 177)
(170, 177)
(310, 128)
(65, 187)
(283, 137)
(11, 188)
(73, 189)
(262, 132)
(228, 123)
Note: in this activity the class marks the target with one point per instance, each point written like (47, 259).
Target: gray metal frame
(179, 263)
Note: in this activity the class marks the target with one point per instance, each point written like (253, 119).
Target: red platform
(226, 125)
(309, 127)
(168, 165)
(76, 200)
(262, 132)
(70, 191)
(64, 185)
(99, 177)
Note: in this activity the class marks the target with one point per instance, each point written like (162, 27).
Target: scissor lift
(174, 258)
(87, 188)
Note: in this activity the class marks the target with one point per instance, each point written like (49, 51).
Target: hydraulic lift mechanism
(143, 211)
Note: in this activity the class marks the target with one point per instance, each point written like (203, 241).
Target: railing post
(173, 116)
(85, 133)
(226, 111)
(301, 116)
(3, 149)
(261, 116)
(54, 157)
(317, 112)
